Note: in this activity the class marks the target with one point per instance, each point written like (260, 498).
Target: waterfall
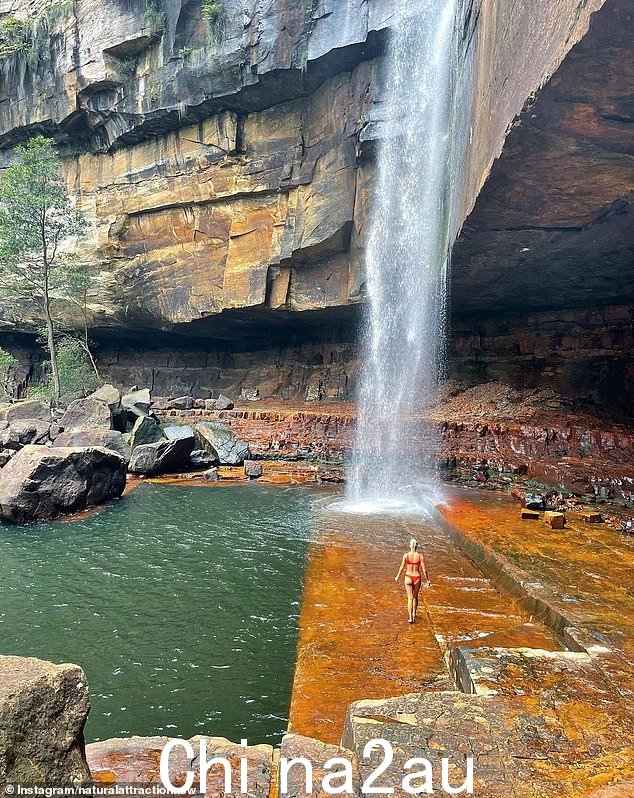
(411, 230)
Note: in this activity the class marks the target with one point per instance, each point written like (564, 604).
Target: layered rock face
(226, 167)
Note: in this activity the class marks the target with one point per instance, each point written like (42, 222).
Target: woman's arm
(400, 570)
(424, 570)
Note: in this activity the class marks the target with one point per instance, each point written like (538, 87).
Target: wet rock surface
(40, 483)
(572, 578)
(499, 432)
(354, 638)
(136, 760)
(43, 708)
(520, 745)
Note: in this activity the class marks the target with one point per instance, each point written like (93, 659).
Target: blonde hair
(413, 544)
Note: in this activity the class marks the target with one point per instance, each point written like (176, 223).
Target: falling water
(407, 256)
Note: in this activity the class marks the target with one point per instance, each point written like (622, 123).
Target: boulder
(178, 432)
(43, 709)
(221, 442)
(137, 403)
(5, 456)
(53, 431)
(199, 458)
(250, 394)
(160, 404)
(26, 410)
(161, 457)
(104, 438)
(224, 403)
(20, 433)
(252, 469)
(109, 395)
(40, 483)
(181, 403)
(86, 413)
(145, 430)
(211, 475)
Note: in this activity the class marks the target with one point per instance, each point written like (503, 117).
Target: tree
(36, 216)
(7, 362)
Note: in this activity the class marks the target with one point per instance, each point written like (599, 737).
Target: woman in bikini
(413, 563)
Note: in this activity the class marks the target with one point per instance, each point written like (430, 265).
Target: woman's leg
(409, 588)
(415, 592)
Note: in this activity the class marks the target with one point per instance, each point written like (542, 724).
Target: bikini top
(409, 562)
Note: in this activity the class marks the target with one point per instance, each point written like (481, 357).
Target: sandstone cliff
(226, 163)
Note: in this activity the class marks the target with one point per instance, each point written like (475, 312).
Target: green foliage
(40, 392)
(310, 21)
(76, 373)
(7, 363)
(310, 10)
(155, 16)
(15, 36)
(36, 216)
(185, 52)
(215, 13)
(128, 65)
(26, 43)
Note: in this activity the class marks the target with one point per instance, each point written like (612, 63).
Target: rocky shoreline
(487, 437)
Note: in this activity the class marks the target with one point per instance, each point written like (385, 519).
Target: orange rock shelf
(355, 641)
(580, 576)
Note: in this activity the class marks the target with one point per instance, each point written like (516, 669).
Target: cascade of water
(407, 256)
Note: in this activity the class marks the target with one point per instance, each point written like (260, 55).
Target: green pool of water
(181, 605)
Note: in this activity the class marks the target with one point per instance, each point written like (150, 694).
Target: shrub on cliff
(215, 13)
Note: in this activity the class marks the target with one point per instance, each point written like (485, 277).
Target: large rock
(178, 432)
(224, 403)
(20, 433)
(221, 442)
(138, 402)
(85, 413)
(145, 430)
(181, 403)
(104, 438)
(43, 709)
(109, 395)
(253, 469)
(26, 410)
(40, 483)
(161, 457)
